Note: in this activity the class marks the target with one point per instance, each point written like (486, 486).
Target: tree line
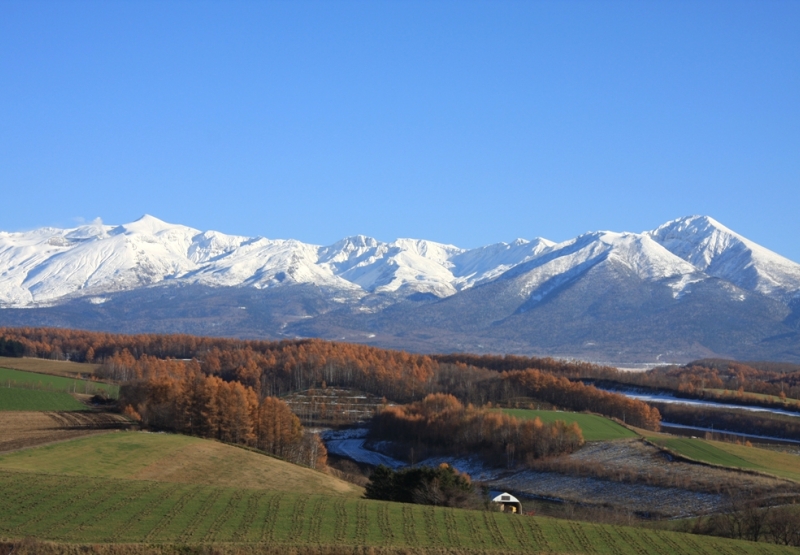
(693, 380)
(193, 403)
(275, 368)
(440, 424)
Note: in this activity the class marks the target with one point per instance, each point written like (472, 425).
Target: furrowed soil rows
(315, 520)
(613, 545)
(475, 535)
(362, 523)
(298, 519)
(523, 539)
(197, 519)
(451, 527)
(50, 505)
(174, 511)
(538, 535)
(148, 507)
(633, 543)
(137, 491)
(223, 516)
(340, 527)
(494, 530)
(564, 536)
(271, 518)
(583, 540)
(431, 529)
(652, 546)
(382, 511)
(56, 522)
(696, 548)
(665, 539)
(409, 526)
(253, 502)
(23, 429)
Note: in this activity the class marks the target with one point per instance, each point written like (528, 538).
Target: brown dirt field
(636, 476)
(22, 429)
(45, 366)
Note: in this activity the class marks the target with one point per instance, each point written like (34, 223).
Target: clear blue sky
(463, 122)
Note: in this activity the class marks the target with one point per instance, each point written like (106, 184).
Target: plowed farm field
(21, 429)
(84, 509)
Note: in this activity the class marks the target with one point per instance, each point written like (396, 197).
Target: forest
(273, 369)
(440, 424)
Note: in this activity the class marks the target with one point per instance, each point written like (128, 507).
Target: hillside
(173, 458)
(108, 510)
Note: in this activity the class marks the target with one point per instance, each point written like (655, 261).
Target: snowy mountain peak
(720, 252)
(150, 225)
(48, 265)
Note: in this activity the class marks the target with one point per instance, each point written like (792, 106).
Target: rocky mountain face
(690, 288)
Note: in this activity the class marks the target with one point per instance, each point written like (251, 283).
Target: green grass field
(33, 399)
(22, 379)
(721, 453)
(173, 458)
(595, 428)
(83, 509)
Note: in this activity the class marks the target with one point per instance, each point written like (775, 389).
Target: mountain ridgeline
(689, 289)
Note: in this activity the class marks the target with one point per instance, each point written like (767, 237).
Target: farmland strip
(340, 531)
(362, 523)
(200, 515)
(631, 541)
(431, 529)
(583, 540)
(409, 532)
(565, 537)
(148, 509)
(268, 528)
(315, 522)
(475, 535)
(176, 509)
(298, 519)
(494, 531)
(451, 527)
(223, 516)
(250, 514)
(523, 539)
(136, 490)
(382, 510)
(609, 540)
(538, 535)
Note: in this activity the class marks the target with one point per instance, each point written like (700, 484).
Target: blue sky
(463, 122)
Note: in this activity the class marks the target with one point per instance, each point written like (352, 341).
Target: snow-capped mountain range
(48, 265)
(689, 288)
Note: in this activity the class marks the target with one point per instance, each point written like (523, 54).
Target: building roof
(505, 498)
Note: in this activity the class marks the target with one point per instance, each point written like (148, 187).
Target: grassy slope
(45, 366)
(735, 456)
(595, 428)
(69, 508)
(173, 458)
(32, 399)
(127, 487)
(19, 378)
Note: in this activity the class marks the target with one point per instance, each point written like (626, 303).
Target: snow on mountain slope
(564, 262)
(486, 263)
(722, 253)
(408, 264)
(47, 265)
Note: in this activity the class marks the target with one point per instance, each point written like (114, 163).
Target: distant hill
(690, 289)
(174, 458)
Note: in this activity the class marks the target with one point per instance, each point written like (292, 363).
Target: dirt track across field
(22, 429)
